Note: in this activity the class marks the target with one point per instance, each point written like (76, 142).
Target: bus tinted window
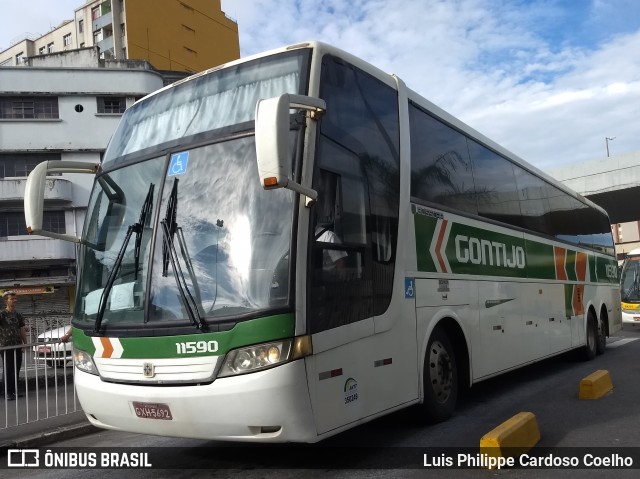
(496, 190)
(534, 201)
(440, 166)
(568, 217)
(357, 177)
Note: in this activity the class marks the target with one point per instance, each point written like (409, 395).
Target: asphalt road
(394, 446)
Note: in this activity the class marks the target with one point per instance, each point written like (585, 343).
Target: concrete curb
(45, 438)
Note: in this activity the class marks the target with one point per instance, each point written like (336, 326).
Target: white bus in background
(630, 288)
(295, 243)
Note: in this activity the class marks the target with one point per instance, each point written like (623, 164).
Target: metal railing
(44, 384)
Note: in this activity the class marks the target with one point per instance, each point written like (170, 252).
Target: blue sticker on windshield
(179, 162)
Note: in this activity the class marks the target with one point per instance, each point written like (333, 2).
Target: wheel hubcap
(440, 371)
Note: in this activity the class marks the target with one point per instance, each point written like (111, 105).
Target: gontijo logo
(493, 253)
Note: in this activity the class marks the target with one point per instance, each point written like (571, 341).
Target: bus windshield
(188, 234)
(208, 102)
(630, 280)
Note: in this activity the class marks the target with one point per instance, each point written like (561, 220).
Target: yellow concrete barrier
(513, 437)
(595, 385)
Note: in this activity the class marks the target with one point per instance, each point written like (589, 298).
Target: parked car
(51, 349)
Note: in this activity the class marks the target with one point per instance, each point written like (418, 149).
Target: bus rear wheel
(440, 378)
(601, 343)
(591, 347)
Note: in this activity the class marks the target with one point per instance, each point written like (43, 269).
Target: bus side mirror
(272, 140)
(34, 193)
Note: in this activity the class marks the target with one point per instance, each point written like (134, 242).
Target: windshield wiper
(143, 222)
(138, 229)
(169, 253)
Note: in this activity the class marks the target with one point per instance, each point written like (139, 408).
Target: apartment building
(176, 35)
(56, 107)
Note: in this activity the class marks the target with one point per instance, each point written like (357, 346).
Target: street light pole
(607, 139)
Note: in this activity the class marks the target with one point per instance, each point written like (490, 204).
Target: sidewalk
(46, 431)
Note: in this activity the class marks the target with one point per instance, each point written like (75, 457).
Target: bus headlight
(263, 356)
(84, 362)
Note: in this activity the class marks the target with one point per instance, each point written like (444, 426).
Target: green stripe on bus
(477, 251)
(540, 260)
(244, 333)
(471, 249)
(592, 268)
(607, 270)
(424, 228)
(568, 300)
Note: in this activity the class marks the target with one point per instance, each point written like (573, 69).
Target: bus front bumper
(266, 406)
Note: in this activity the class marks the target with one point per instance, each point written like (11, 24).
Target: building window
(19, 58)
(95, 13)
(53, 221)
(13, 223)
(15, 165)
(66, 40)
(28, 107)
(42, 51)
(50, 48)
(112, 104)
(80, 26)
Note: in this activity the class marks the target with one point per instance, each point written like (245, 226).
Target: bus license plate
(148, 410)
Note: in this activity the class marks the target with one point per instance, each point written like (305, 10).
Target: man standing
(12, 333)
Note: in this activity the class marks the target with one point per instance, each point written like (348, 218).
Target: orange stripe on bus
(108, 347)
(581, 266)
(560, 255)
(443, 228)
(578, 303)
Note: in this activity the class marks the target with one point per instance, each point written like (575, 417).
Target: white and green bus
(295, 243)
(630, 288)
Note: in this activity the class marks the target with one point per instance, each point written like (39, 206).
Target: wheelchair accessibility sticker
(178, 164)
(409, 290)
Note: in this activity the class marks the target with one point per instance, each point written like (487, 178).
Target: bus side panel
(338, 366)
(360, 379)
(501, 331)
(439, 299)
(550, 314)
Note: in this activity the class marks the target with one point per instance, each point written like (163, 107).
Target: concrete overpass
(611, 182)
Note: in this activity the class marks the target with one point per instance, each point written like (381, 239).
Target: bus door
(340, 301)
(352, 249)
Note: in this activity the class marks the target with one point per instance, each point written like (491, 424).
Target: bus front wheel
(440, 378)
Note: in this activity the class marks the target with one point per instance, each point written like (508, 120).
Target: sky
(547, 79)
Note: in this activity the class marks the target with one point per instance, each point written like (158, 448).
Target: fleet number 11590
(194, 347)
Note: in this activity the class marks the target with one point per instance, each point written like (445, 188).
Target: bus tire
(440, 378)
(601, 343)
(590, 348)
